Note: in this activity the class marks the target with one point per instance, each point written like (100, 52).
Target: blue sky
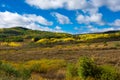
(71, 16)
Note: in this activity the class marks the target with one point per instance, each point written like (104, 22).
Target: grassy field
(104, 53)
(35, 55)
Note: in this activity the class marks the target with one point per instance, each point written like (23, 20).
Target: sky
(69, 16)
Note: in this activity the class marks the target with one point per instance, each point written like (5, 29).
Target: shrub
(109, 73)
(14, 44)
(25, 73)
(71, 71)
(87, 68)
(43, 41)
(44, 66)
(68, 39)
(0, 63)
(9, 69)
(55, 40)
(13, 39)
(35, 39)
(36, 67)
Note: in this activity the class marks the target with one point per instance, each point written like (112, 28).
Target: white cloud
(77, 4)
(46, 4)
(98, 3)
(115, 24)
(62, 19)
(37, 19)
(66, 4)
(31, 21)
(58, 29)
(9, 19)
(93, 29)
(81, 19)
(87, 19)
(113, 5)
(54, 4)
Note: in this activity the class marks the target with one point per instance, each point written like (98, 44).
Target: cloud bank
(75, 4)
(31, 21)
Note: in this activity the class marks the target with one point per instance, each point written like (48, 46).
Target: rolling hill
(30, 54)
(20, 34)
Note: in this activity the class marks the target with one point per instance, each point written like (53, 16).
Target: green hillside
(20, 34)
(34, 55)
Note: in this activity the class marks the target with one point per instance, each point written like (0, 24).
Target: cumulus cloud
(84, 5)
(113, 5)
(62, 19)
(87, 19)
(32, 21)
(93, 29)
(54, 4)
(116, 23)
(58, 29)
(46, 4)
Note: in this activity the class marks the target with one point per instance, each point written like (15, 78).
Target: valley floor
(103, 53)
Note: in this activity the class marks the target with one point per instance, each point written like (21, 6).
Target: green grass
(84, 69)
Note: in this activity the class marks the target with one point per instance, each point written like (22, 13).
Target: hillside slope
(20, 34)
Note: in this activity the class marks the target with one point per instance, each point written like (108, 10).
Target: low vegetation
(19, 34)
(84, 69)
(39, 55)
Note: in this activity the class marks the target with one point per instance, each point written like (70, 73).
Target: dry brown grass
(102, 54)
(109, 54)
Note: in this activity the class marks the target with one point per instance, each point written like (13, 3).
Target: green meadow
(39, 55)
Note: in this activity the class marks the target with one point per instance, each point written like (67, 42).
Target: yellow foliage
(43, 41)
(46, 65)
(54, 40)
(68, 39)
(117, 34)
(93, 36)
(33, 39)
(14, 44)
